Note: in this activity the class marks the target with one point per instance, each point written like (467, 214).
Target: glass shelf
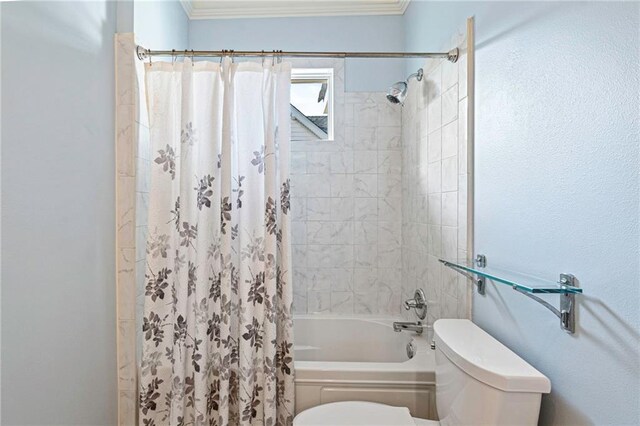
(516, 280)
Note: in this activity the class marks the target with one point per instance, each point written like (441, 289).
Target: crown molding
(228, 9)
(188, 8)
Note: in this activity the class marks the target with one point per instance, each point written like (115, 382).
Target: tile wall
(435, 178)
(133, 165)
(346, 198)
(126, 170)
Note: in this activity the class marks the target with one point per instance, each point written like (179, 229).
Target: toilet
(479, 381)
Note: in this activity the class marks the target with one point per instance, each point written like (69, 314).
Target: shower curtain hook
(262, 55)
(231, 53)
(273, 59)
(193, 54)
(174, 56)
(224, 52)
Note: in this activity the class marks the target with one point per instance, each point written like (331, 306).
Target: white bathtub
(339, 358)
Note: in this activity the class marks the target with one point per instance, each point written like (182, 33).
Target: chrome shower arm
(418, 75)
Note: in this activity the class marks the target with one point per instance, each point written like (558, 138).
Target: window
(311, 104)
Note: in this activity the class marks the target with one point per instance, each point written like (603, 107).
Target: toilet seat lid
(354, 413)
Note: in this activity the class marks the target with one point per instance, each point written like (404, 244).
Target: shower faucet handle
(418, 300)
(412, 303)
(418, 303)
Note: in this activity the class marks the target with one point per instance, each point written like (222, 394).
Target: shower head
(398, 91)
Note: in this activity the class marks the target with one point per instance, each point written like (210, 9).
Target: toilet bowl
(359, 413)
(479, 381)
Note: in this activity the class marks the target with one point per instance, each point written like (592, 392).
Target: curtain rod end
(453, 54)
(142, 53)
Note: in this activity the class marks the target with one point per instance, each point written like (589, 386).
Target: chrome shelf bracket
(568, 304)
(567, 312)
(479, 281)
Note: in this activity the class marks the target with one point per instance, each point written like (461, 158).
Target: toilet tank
(479, 381)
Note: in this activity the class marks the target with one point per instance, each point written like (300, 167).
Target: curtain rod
(143, 54)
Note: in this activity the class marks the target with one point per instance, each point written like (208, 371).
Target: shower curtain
(217, 326)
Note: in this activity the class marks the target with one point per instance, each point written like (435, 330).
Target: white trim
(221, 9)
(320, 73)
(188, 7)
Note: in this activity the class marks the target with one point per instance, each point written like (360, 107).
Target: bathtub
(340, 358)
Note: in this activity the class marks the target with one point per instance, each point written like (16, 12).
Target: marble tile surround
(435, 177)
(346, 203)
(133, 166)
(126, 148)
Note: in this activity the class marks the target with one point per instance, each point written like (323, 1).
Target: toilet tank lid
(481, 356)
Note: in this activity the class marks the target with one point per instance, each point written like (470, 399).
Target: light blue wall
(342, 33)
(557, 165)
(58, 225)
(161, 25)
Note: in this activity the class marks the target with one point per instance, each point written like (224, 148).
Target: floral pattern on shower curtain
(217, 326)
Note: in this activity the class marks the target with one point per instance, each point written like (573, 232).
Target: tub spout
(417, 327)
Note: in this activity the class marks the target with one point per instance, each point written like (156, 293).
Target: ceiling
(225, 9)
